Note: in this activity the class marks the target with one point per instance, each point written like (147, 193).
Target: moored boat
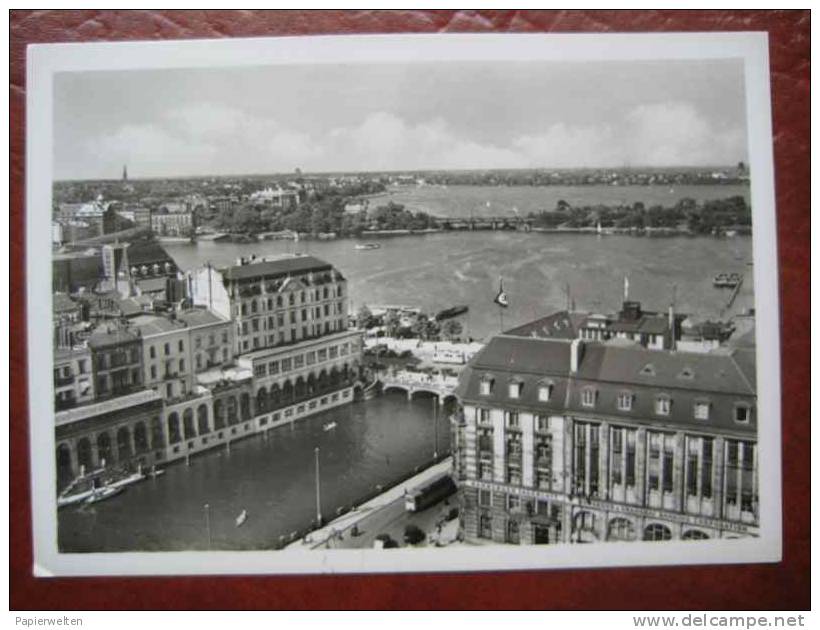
(727, 280)
(327, 426)
(243, 516)
(454, 311)
(366, 246)
(101, 494)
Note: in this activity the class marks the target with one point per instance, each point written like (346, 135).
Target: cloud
(206, 138)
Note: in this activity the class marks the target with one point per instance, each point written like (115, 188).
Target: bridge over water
(441, 386)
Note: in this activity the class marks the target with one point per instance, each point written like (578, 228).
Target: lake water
(462, 201)
(440, 270)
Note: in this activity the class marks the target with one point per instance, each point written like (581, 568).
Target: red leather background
(776, 586)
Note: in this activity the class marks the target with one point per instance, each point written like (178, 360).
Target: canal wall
(258, 424)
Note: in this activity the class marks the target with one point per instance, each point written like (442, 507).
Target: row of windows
(254, 305)
(263, 341)
(295, 317)
(296, 362)
(661, 458)
(624, 402)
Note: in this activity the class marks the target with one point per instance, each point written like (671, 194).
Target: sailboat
(598, 230)
(243, 516)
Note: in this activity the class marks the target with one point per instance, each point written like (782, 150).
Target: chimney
(576, 353)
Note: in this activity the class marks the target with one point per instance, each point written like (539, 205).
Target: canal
(272, 477)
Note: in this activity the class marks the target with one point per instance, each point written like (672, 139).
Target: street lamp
(318, 490)
(208, 523)
(435, 427)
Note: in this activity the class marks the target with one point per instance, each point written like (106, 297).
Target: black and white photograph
(399, 303)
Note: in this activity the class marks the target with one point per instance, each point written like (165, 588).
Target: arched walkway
(245, 406)
(140, 437)
(261, 400)
(65, 471)
(188, 424)
(233, 412)
(219, 414)
(287, 392)
(202, 419)
(274, 397)
(85, 455)
(104, 449)
(174, 435)
(124, 444)
(157, 434)
(299, 388)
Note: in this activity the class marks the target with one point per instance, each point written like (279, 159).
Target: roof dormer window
(663, 405)
(743, 413)
(625, 400)
(588, 396)
(702, 408)
(687, 373)
(545, 391)
(648, 370)
(486, 386)
(515, 388)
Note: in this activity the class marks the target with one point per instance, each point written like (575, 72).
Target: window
(588, 396)
(182, 365)
(485, 470)
(273, 367)
(259, 370)
(702, 410)
(706, 471)
(167, 349)
(298, 361)
(542, 423)
(181, 346)
(656, 532)
(486, 386)
(514, 390)
(152, 352)
(286, 363)
(153, 372)
(625, 400)
(742, 413)
(513, 421)
(197, 342)
(654, 464)
(544, 392)
(310, 358)
(662, 405)
(485, 498)
(483, 416)
(513, 502)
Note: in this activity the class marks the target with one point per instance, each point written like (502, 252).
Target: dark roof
(723, 379)
(200, 317)
(560, 325)
(648, 323)
(147, 252)
(61, 303)
(278, 267)
(152, 285)
(110, 334)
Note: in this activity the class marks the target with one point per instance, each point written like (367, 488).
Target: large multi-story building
(73, 377)
(116, 359)
(274, 301)
(178, 346)
(565, 440)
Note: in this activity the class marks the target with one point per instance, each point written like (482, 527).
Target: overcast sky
(398, 117)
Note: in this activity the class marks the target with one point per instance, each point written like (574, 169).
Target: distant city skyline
(358, 118)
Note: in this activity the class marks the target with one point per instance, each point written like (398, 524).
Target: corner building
(561, 441)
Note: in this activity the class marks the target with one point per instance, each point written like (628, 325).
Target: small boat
(243, 516)
(156, 472)
(727, 280)
(101, 494)
(126, 481)
(327, 426)
(454, 311)
(366, 246)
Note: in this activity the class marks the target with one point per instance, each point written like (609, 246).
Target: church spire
(125, 172)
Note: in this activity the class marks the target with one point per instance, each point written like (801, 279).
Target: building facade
(570, 441)
(274, 302)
